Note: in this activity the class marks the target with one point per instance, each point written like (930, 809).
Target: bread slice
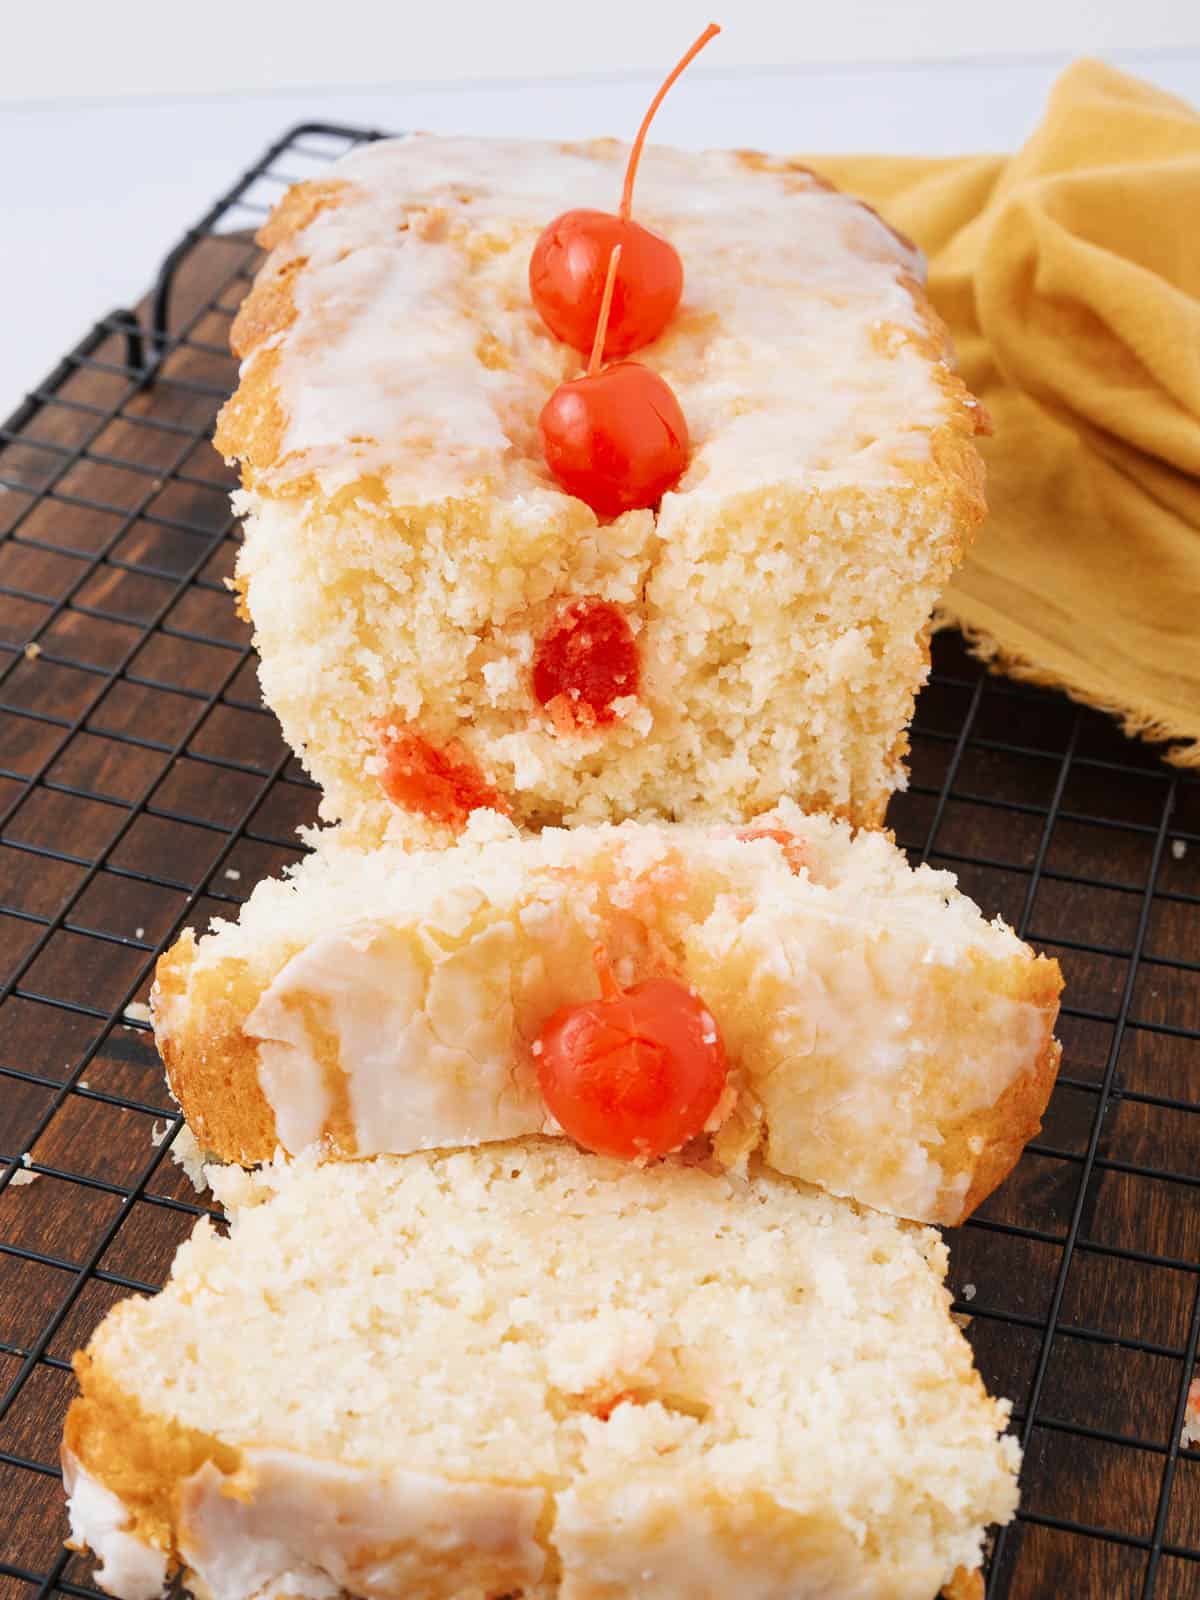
(406, 551)
(886, 1041)
(524, 1370)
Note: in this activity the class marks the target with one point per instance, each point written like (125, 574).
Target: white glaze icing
(424, 1037)
(855, 1012)
(428, 1016)
(126, 1565)
(779, 353)
(291, 1076)
(297, 1525)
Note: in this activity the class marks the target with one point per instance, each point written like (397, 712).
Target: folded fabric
(1069, 275)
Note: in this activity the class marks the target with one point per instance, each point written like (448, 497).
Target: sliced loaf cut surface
(527, 1370)
(886, 1042)
(409, 560)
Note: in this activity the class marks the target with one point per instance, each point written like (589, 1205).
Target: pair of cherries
(637, 1072)
(616, 437)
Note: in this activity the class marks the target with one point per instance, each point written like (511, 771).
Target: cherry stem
(593, 365)
(635, 155)
(610, 989)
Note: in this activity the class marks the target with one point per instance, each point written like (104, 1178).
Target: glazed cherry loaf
(882, 1039)
(510, 1371)
(441, 627)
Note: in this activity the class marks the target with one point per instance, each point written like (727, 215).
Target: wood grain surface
(125, 818)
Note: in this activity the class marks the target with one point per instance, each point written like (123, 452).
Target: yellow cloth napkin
(1069, 274)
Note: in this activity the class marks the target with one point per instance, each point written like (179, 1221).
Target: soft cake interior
(406, 547)
(761, 1369)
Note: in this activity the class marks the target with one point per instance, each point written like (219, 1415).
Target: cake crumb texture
(406, 548)
(525, 1369)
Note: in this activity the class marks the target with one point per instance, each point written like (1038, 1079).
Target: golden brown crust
(139, 1457)
(212, 1067)
(297, 208)
(964, 1585)
(251, 423)
(1015, 1120)
(269, 307)
(340, 1129)
(1002, 1130)
(761, 161)
(954, 473)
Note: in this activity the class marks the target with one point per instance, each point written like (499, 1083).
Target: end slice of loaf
(407, 552)
(523, 1370)
(887, 1042)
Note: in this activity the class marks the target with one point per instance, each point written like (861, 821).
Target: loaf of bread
(410, 565)
(885, 1041)
(523, 1370)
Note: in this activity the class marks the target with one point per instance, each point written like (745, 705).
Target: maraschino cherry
(440, 782)
(636, 1073)
(567, 268)
(586, 660)
(616, 437)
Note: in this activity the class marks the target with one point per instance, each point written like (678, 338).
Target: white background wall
(161, 47)
(120, 123)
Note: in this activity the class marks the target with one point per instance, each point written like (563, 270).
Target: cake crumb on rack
(1191, 1416)
(1179, 848)
(137, 1011)
(186, 1153)
(232, 874)
(22, 1175)
(32, 651)
(969, 1291)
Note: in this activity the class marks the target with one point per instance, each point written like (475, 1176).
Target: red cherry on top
(566, 280)
(635, 1074)
(586, 659)
(569, 261)
(615, 438)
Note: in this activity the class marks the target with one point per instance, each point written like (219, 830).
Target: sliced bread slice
(524, 1370)
(885, 1041)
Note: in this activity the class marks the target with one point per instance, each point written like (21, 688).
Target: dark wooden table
(144, 787)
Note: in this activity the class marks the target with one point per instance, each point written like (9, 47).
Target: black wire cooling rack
(143, 787)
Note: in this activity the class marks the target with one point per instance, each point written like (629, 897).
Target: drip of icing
(125, 1564)
(416, 356)
(314, 1528)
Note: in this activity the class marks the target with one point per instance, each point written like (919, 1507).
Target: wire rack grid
(144, 788)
